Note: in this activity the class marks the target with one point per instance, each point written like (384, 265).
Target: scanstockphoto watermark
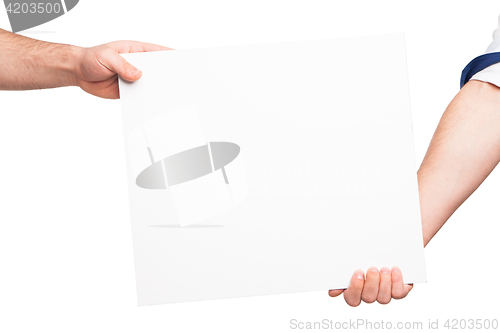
(365, 324)
(353, 324)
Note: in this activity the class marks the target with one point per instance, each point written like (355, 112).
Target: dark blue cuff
(477, 65)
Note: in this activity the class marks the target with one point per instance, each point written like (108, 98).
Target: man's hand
(380, 286)
(28, 63)
(97, 68)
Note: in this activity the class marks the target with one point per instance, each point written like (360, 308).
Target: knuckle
(124, 65)
(357, 284)
(373, 272)
(106, 51)
(396, 278)
(352, 300)
(398, 295)
(353, 303)
(368, 298)
(384, 300)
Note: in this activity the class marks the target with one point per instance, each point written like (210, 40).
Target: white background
(66, 261)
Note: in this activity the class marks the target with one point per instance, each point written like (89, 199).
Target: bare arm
(463, 151)
(32, 64)
(27, 63)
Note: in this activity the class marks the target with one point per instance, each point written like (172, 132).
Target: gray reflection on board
(188, 165)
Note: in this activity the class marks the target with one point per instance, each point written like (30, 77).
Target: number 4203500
(477, 324)
(32, 8)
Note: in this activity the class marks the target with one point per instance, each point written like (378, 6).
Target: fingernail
(135, 72)
(385, 270)
(396, 269)
(373, 268)
(358, 274)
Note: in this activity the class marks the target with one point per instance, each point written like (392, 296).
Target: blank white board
(272, 168)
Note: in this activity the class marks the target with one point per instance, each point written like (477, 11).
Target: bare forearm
(464, 150)
(27, 63)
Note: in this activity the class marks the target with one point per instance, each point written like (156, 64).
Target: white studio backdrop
(66, 261)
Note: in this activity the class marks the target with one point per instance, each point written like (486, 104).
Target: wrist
(61, 65)
(72, 65)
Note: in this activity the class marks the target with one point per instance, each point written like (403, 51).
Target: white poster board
(273, 168)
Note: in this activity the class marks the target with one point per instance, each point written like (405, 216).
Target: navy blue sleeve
(477, 65)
